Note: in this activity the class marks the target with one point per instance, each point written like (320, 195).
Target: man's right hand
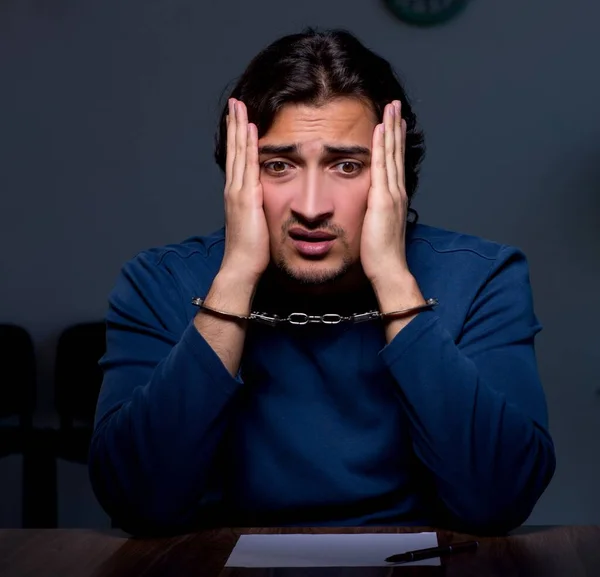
(247, 250)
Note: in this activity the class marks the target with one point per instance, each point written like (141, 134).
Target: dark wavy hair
(314, 67)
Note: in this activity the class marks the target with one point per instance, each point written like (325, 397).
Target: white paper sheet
(310, 550)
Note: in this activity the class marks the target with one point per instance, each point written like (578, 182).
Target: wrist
(237, 268)
(232, 292)
(237, 280)
(397, 292)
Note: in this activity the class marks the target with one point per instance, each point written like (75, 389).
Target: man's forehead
(338, 109)
(341, 126)
(339, 117)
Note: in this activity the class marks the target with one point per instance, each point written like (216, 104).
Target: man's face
(315, 173)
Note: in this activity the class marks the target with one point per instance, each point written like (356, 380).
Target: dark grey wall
(107, 113)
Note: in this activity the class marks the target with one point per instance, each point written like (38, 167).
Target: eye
(276, 166)
(349, 168)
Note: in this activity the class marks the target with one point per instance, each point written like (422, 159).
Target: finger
(403, 141)
(230, 151)
(389, 119)
(398, 137)
(252, 174)
(378, 177)
(403, 137)
(241, 137)
(399, 146)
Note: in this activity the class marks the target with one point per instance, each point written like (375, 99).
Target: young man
(433, 415)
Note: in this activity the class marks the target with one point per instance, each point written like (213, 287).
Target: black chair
(77, 381)
(17, 383)
(17, 401)
(76, 387)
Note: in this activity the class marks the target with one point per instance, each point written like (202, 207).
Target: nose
(312, 203)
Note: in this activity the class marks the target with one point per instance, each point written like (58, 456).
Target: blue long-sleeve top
(325, 425)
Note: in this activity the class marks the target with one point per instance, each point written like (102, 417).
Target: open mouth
(310, 236)
(312, 243)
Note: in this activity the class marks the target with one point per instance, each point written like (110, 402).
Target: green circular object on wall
(426, 12)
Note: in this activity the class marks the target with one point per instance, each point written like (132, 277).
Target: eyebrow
(295, 149)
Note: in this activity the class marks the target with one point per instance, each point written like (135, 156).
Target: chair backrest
(17, 373)
(77, 375)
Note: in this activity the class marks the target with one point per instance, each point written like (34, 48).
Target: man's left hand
(382, 249)
(383, 246)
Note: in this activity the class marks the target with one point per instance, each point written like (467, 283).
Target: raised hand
(382, 248)
(246, 234)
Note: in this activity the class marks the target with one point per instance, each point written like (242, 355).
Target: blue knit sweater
(325, 425)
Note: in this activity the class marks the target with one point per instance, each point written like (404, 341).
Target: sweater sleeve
(476, 407)
(162, 409)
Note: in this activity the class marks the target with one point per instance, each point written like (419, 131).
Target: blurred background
(107, 119)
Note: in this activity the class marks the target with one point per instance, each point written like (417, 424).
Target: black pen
(421, 554)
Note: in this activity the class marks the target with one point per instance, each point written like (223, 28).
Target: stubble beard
(313, 274)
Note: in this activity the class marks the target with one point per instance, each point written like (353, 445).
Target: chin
(314, 277)
(314, 273)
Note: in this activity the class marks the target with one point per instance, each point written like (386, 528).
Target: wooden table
(543, 552)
